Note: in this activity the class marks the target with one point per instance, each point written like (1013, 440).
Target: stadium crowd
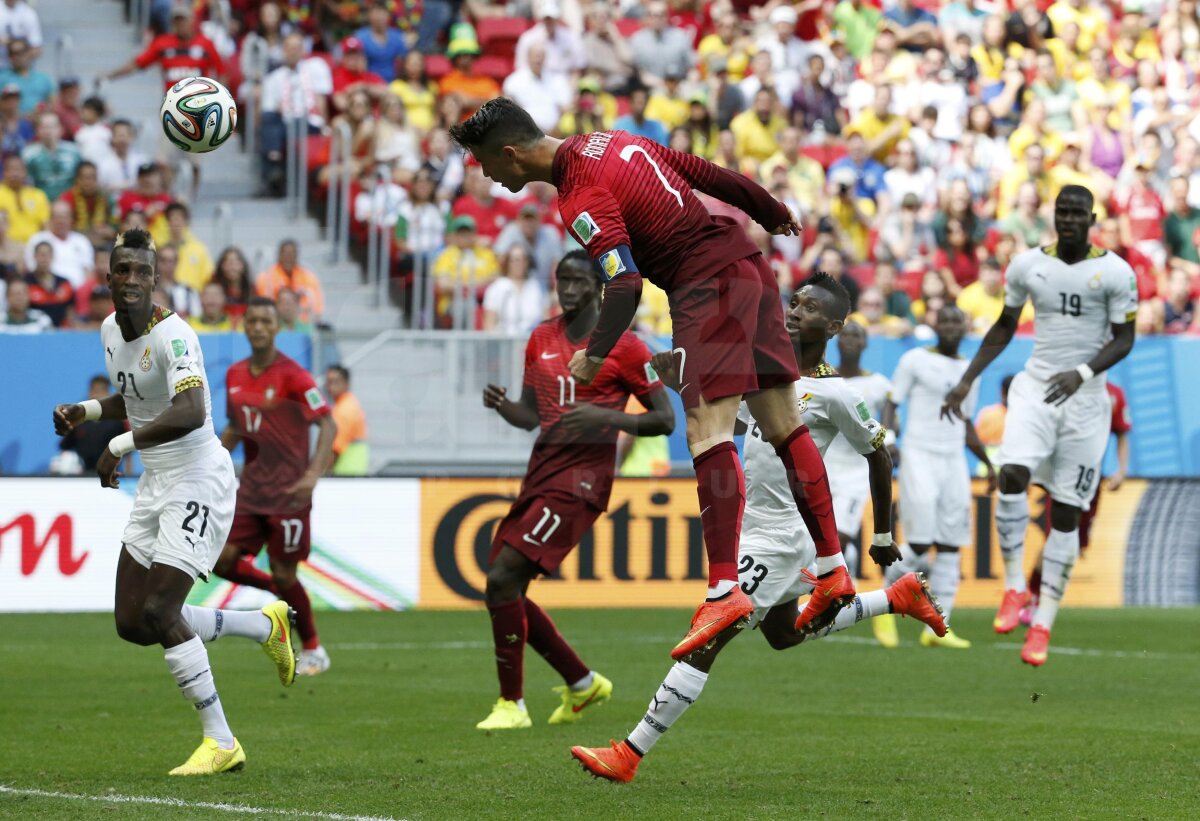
(922, 142)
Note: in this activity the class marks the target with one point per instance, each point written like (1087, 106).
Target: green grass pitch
(836, 729)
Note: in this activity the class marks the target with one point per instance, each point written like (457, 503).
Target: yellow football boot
(951, 640)
(574, 702)
(506, 715)
(209, 759)
(885, 631)
(278, 645)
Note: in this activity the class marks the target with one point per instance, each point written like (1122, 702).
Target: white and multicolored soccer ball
(198, 114)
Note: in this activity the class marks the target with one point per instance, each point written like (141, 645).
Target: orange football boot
(618, 763)
(1037, 646)
(830, 594)
(712, 618)
(1009, 614)
(910, 596)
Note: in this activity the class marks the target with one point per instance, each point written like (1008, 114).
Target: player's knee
(133, 629)
(283, 575)
(503, 584)
(1064, 517)
(1014, 479)
(160, 616)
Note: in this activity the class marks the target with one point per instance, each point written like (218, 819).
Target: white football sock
(721, 588)
(584, 682)
(943, 580)
(521, 704)
(188, 663)
(1012, 519)
(211, 624)
(866, 606)
(679, 690)
(910, 562)
(828, 564)
(1058, 557)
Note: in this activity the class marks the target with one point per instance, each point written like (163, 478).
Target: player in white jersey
(1057, 425)
(184, 503)
(849, 480)
(777, 555)
(935, 484)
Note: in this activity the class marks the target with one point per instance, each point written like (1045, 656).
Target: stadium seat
(863, 274)
(498, 35)
(910, 282)
(437, 66)
(627, 26)
(498, 68)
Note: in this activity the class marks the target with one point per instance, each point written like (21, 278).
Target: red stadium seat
(627, 26)
(498, 35)
(863, 274)
(910, 282)
(498, 68)
(437, 66)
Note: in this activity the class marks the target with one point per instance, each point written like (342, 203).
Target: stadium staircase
(88, 37)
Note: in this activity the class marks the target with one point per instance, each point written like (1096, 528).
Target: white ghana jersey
(1074, 306)
(843, 459)
(149, 371)
(829, 406)
(922, 379)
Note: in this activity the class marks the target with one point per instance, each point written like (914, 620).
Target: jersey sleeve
(1120, 287)
(1016, 289)
(531, 354)
(177, 351)
(151, 55)
(902, 381)
(305, 391)
(594, 219)
(849, 412)
(637, 374)
(1121, 421)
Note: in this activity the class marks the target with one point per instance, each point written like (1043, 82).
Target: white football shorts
(935, 497)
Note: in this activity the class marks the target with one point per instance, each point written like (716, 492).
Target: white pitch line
(203, 805)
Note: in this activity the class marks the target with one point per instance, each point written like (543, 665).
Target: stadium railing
(337, 198)
(379, 238)
(297, 165)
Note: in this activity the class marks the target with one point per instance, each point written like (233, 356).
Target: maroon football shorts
(729, 336)
(287, 536)
(544, 527)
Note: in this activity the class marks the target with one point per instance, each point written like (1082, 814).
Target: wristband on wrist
(1085, 372)
(889, 438)
(881, 540)
(122, 445)
(91, 410)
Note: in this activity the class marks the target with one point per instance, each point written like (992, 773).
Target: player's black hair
(582, 259)
(951, 308)
(285, 243)
(341, 371)
(839, 297)
(1077, 191)
(176, 207)
(498, 122)
(262, 302)
(136, 239)
(122, 121)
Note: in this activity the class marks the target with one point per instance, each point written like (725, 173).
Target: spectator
(183, 299)
(421, 224)
(350, 445)
(299, 89)
(636, 122)
(833, 262)
(905, 239)
(397, 144)
(48, 292)
(872, 314)
(16, 132)
(417, 93)
(19, 318)
(27, 207)
(563, 52)
(667, 104)
(382, 42)
(1147, 273)
(961, 18)
(726, 95)
(895, 301)
(88, 440)
(120, 167)
(468, 88)
(19, 20)
(37, 89)
(352, 76)
(814, 104)
(262, 49)
(957, 263)
(906, 178)
(960, 61)
(1026, 222)
(659, 48)
(73, 254)
(728, 42)
(1179, 307)
(788, 52)
(182, 53)
(461, 272)
(489, 214)
(1180, 229)
(1105, 146)
(542, 243)
(543, 94)
(379, 199)
(868, 173)
(93, 211)
(1032, 169)
(805, 176)
(879, 126)
(68, 108)
(233, 275)
(148, 198)
(288, 273)
(983, 300)
(1064, 111)
(12, 253)
(606, 52)
(287, 302)
(858, 22)
(1141, 213)
(588, 111)
(446, 163)
(756, 130)
(515, 302)
(51, 162)
(99, 306)
(1069, 170)
(213, 318)
(700, 128)
(195, 265)
(915, 28)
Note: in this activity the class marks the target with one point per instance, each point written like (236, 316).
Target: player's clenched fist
(663, 363)
(494, 396)
(66, 418)
(106, 468)
(885, 556)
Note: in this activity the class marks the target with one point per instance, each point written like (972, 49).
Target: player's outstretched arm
(70, 416)
(1117, 479)
(879, 464)
(1063, 385)
(975, 445)
(994, 342)
(522, 414)
(659, 420)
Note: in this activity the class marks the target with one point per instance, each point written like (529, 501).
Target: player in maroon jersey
(629, 202)
(271, 401)
(566, 485)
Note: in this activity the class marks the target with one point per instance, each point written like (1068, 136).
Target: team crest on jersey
(585, 228)
(1094, 282)
(612, 264)
(269, 394)
(804, 400)
(146, 361)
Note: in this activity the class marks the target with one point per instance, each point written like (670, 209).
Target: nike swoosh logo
(549, 356)
(578, 708)
(705, 510)
(599, 761)
(234, 389)
(698, 631)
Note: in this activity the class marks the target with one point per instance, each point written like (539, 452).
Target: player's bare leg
(778, 418)
(721, 488)
(1012, 520)
(312, 659)
(1058, 558)
(148, 610)
(237, 566)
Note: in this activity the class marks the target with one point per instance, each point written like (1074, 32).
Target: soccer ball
(198, 114)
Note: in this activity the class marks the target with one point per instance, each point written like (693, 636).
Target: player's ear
(835, 326)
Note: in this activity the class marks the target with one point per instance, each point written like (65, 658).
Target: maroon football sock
(550, 645)
(510, 630)
(297, 598)
(244, 572)
(722, 491)
(810, 489)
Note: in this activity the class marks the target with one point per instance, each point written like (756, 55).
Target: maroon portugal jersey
(580, 465)
(618, 189)
(272, 412)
